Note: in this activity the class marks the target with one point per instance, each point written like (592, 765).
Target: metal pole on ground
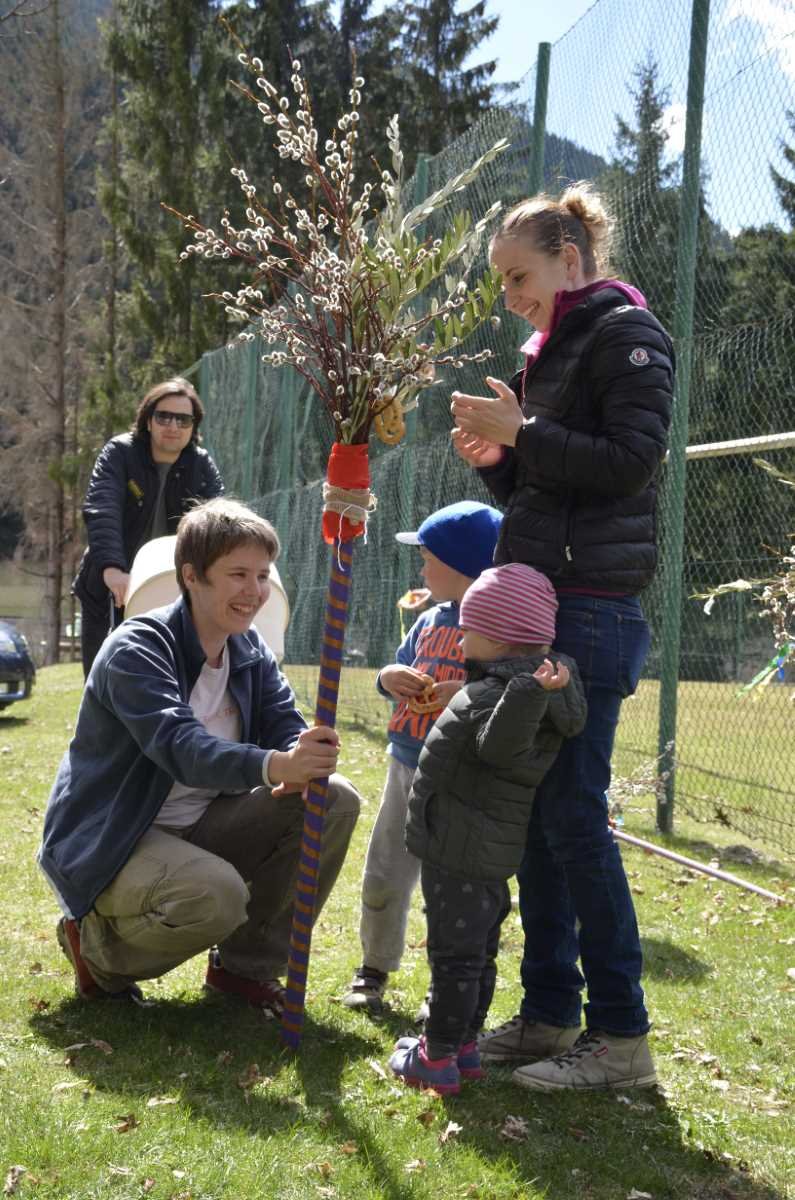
(673, 534)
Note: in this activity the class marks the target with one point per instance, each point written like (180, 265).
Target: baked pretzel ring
(389, 424)
(423, 702)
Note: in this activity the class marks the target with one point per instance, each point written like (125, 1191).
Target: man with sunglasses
(141, 484)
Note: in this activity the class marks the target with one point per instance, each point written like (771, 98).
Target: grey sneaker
(520, 1041)
(366, 990)
(596, 1061)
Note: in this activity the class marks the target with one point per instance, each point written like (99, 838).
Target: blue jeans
(574, 897)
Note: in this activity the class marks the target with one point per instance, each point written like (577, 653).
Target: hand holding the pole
(314, 756)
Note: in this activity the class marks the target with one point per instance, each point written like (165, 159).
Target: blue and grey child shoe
(411, 1064)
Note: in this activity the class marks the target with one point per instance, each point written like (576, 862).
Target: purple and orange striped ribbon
(337, 601)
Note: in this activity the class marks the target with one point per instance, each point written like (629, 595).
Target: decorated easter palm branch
(366, 309)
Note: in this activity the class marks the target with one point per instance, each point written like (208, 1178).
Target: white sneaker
(597, 1061)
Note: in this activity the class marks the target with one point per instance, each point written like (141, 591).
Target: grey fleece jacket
(472, 795)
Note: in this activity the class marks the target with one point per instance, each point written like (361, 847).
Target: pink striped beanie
(511, 603)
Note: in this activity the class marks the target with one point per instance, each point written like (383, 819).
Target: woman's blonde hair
(579, 217)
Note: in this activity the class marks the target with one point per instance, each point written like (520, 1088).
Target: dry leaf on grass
(119, 1170)
(156, 1101)
(451, 1131)
(250, 1078)
(416, 1164)
(126, 1123)
(376, 1066)
(147, 1185)
(514, 1129)
(324, 1168)
(13, 1179)
(68, 1083)
(95, 1043)
(349, 1148)
(636, 1195)
(224, 1058)
(427, 1117)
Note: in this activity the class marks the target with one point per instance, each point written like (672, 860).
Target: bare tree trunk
(56, 507)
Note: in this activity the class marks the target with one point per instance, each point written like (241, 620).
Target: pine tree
(785, 188)
(172, 71)
(644, 200)
(440, 98)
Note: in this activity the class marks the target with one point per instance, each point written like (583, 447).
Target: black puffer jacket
(472, 795)
(118, 505)
(580, 484)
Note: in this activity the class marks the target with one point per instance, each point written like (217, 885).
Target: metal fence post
(536, 172)
(249, 423)
(675, 482)
(406, 562)
(203, 382)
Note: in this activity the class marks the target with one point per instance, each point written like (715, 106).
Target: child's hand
(403, 682)
(443, 692)
(552, 677)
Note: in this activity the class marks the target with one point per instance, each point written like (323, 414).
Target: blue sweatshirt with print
(433, 646)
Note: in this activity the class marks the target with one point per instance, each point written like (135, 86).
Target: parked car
(17, 672)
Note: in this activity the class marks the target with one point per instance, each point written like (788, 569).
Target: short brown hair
(579, 217)
(170, 387)
(217, 527)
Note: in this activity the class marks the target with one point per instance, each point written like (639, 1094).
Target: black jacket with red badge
(580, 485)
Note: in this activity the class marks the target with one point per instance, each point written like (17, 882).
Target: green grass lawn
(194, 1098)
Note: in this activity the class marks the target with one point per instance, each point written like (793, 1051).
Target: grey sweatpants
(227, 880)
(390, 875)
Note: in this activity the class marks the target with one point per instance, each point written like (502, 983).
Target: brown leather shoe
(68, 933)
(269, 996)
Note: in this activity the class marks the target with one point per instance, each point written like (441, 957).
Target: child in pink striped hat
(471, 801)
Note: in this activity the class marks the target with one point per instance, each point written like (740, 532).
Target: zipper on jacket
(567, 537)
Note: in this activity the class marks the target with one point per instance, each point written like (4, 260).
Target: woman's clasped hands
(485, 424)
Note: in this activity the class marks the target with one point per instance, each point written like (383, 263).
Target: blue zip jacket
(136, 734)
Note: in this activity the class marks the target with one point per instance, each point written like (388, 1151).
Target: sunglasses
(183, 420)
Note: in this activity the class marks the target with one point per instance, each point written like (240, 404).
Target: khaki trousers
(228, 880)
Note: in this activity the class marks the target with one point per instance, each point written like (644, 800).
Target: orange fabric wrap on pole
(349, 469)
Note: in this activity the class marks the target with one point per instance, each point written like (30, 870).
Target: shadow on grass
(225, 1063)
(7, 722)
(587, 1144)
(740, 859)
(218, 1058)
(665, 960)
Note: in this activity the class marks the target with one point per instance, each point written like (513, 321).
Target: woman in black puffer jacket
(572, 448)
(141, 484)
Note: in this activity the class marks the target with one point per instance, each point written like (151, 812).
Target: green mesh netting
(271, 439)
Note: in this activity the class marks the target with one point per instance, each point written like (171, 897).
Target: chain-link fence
(615, 113)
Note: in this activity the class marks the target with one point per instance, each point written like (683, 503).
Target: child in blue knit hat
(456, 543)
